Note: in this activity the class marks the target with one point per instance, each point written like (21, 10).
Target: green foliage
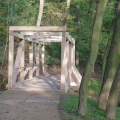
(94, 86)
(5, 82)
(49, 61)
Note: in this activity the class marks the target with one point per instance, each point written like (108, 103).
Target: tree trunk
(82, 107)
(109, 41)
(68, 4)
(40, 13)
(111, 65)
(77, 39)
(113, 97)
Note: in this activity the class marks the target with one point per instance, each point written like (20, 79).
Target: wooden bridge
(19, 71)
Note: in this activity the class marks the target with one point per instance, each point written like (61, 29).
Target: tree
(111, 64)
(40, 12)
(83, 91)
(113, 96)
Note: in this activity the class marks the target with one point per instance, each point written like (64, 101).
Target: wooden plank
(37, 58)
(36, 28)
(70, 63)
(76, 76)
(20, 36)
(11, 59)
(28, 33)
(22, 62)
(43, 58)
(43, 33)
(63, 63)
(73, 55)
(31, 40)
(17, 60)
(31, 59)
(50, 40)
(46, 36)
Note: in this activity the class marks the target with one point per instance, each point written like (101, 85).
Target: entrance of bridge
(36, 38)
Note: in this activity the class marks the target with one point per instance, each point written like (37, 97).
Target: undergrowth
(69, 105)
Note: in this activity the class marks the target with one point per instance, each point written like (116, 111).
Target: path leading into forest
(37, 99)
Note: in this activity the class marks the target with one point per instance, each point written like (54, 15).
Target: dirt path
(29, 105)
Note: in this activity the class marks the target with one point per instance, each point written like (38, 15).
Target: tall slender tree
(40, 12)
(83, 92)
(111, 64)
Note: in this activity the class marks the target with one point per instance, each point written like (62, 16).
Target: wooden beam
(20, 36)
(42, 33)
(31, 40)
(76, 76)
(70, 38)
(70, 63)
(63, 63)
(46, 37)
(50, 40)
(30, 59)
(11, 59)
(37, 58)
(43, 57)
(22, 62)
(18, 60)
(33, 28)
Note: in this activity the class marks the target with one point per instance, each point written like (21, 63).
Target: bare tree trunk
(68, 4)
(111, 64)
(82, 107)
(40, 13)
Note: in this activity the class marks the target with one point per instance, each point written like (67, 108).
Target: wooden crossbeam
(50, 40)
(33, 28)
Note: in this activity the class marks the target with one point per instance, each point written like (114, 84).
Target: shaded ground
(29, 105)
(33, 99)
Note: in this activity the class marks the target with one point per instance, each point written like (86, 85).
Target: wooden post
(22, 62)
(11, 59)
(63, 62)
(37, 58)
(34, 59)
(70, 64)
(18, 60)
(67, 69)
(43, 57)
(40, 60)
(31, 60)
(73, 55)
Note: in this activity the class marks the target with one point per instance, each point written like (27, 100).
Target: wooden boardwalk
(44, 83)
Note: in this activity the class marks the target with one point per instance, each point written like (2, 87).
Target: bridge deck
(51, 83)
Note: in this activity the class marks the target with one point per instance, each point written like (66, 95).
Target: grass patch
(69, 105)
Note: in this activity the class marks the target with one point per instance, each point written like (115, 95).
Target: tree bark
(113, 97)
(82, 106)
(109, 41)
(111, 65)
(40, 13)
(77, 39)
